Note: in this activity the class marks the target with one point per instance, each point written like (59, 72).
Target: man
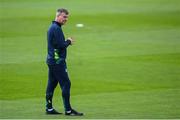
(56, 57)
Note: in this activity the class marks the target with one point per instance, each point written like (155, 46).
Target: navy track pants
(58, 74)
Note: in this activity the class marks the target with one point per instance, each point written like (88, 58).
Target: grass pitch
(125, 63)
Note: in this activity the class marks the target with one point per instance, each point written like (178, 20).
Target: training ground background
(125, 62)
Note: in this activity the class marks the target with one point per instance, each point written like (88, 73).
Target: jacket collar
(56, 23)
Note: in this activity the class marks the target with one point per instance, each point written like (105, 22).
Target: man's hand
(72, 40)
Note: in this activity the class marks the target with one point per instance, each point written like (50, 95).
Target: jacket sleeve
(59, 36)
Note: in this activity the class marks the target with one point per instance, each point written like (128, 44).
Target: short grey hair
(61, 10)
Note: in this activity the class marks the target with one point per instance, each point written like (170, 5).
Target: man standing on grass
(56, 61)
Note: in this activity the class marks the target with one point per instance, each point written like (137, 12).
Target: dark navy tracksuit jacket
(56, 57)
(56, 44)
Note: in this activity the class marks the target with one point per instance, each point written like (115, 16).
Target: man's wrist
(69, 41)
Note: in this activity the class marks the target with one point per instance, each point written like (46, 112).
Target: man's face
(62, 18)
